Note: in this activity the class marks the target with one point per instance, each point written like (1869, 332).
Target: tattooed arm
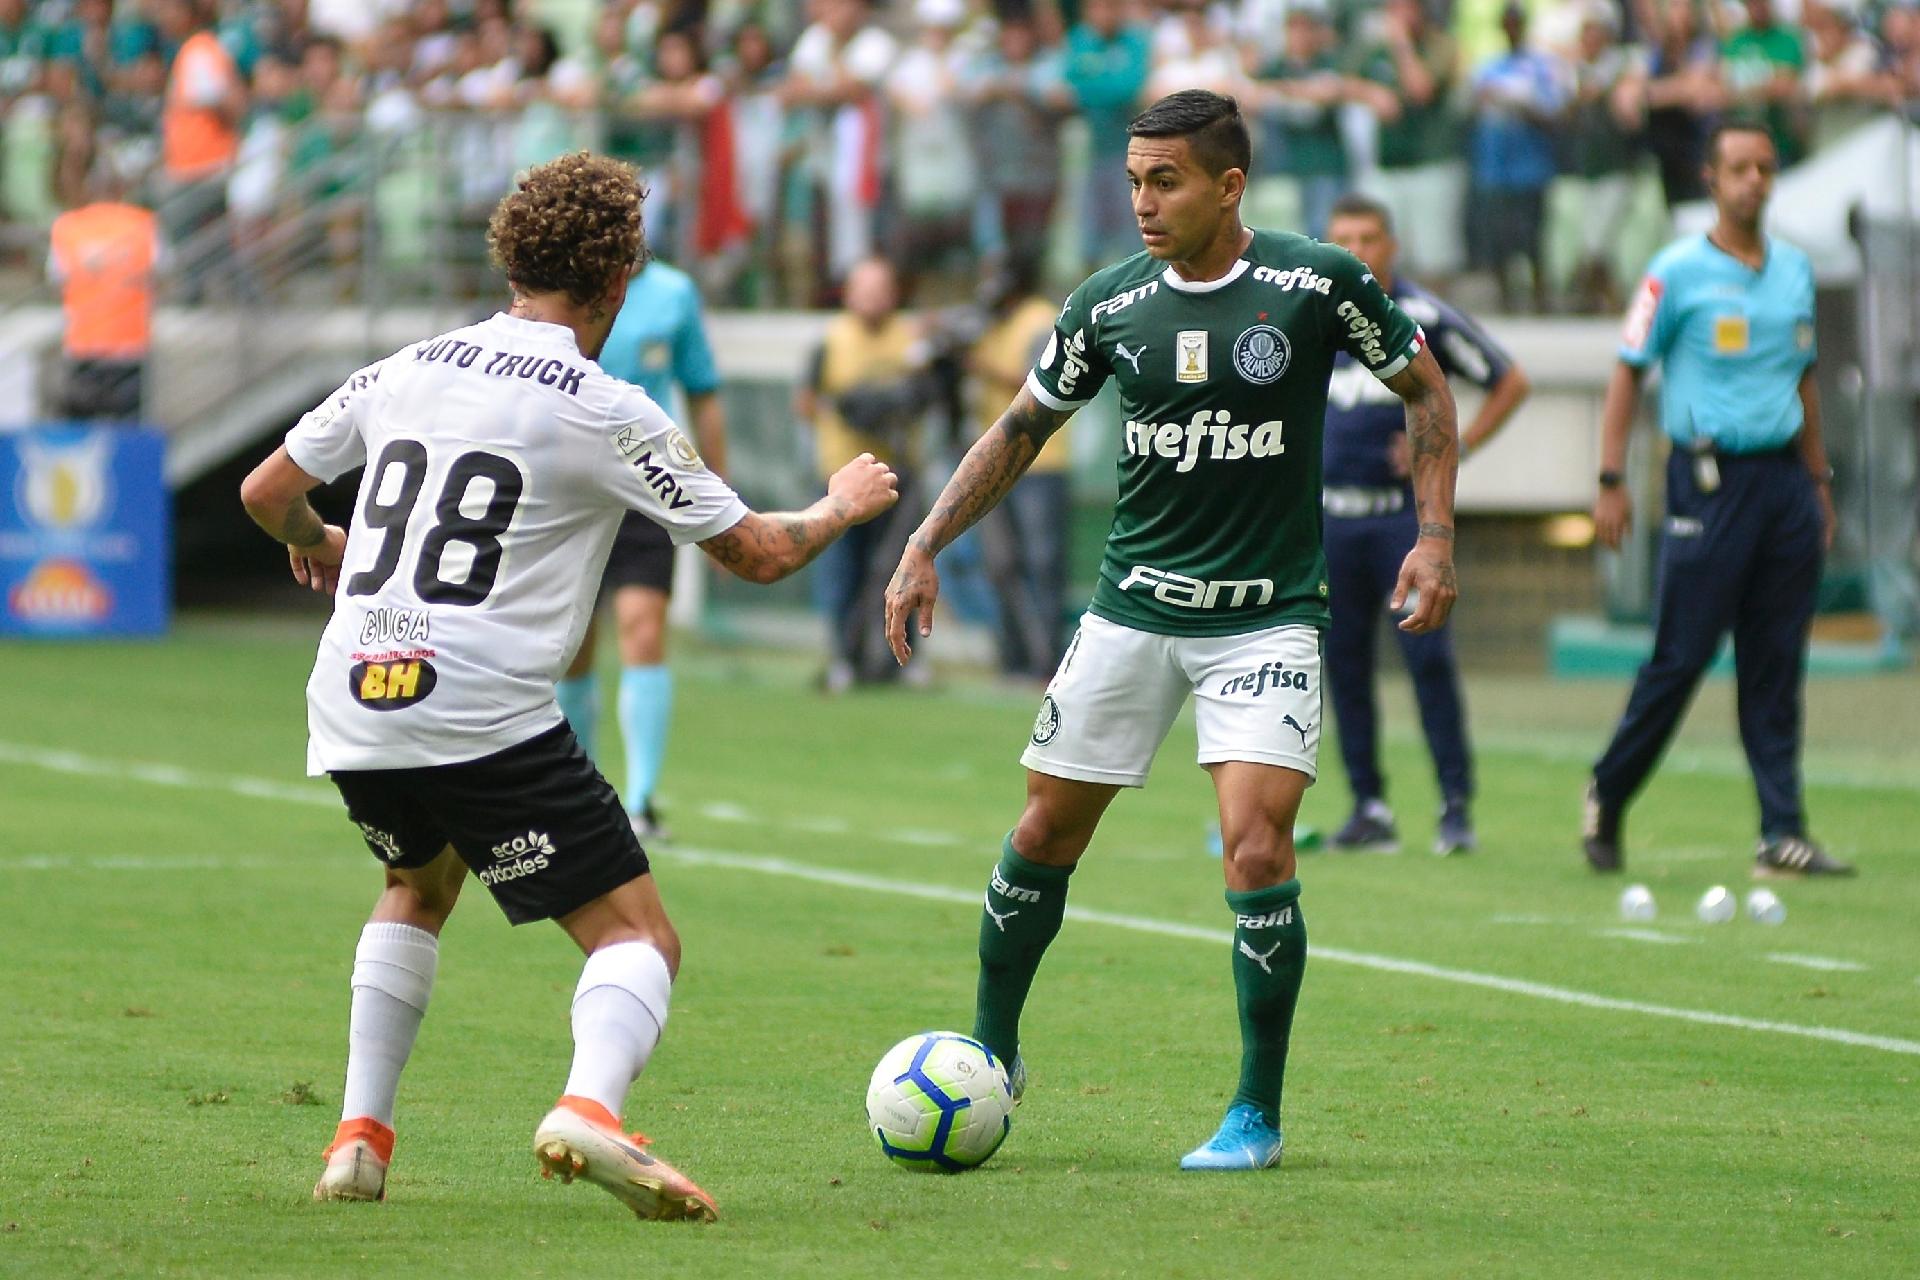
(766, 548)
(985, 475)
(275, 495)
(1433, 434)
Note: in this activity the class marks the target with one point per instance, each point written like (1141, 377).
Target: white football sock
(392, 977)
(619, 1009)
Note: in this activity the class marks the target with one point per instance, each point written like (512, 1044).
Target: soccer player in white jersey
(500, 460)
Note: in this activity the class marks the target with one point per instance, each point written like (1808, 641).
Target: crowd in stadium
(776, 133)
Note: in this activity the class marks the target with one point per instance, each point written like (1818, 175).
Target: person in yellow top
(1024, 539)
(866, 391)
(103, 256)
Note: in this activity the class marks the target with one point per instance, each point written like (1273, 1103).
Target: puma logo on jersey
(1260, 957)
(1208, 434)
(1131, 357)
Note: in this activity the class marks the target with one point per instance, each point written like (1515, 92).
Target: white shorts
(1109, 706)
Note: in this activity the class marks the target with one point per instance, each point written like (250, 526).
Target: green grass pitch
(178, 908)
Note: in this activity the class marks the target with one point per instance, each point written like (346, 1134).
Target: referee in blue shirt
(658, 342)
(1749, 500)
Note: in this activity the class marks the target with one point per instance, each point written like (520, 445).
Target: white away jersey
(499, 463)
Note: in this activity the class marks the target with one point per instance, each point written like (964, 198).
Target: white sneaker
(357, 1161)
(582, 1139)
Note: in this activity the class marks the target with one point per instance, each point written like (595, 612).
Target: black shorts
(642, 556)
(537, 823)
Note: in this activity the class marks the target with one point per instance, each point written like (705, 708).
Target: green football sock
(1025, 902)
(1269, 955)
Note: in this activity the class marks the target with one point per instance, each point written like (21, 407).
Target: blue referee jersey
(658, 338)
(1733, 343)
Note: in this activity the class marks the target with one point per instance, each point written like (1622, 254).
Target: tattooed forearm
(766, 548)
(300, 525)
(988, 472)
(1433, 432)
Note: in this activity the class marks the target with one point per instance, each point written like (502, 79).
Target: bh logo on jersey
(391, 686)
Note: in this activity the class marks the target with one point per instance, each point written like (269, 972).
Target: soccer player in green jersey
(1220, 340)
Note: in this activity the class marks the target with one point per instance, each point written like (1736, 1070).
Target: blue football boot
(1245, 1141)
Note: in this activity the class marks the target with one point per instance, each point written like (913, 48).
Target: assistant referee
(1749, 500)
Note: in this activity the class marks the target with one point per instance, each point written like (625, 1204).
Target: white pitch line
(1337, 955)
(259, 788)
(1645, 935)
(1826, 964)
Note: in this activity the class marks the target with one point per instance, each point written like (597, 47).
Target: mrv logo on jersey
(1193, 593)
(1207, 434)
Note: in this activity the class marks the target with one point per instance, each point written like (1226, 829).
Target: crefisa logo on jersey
(391, 685)
(1262, 354)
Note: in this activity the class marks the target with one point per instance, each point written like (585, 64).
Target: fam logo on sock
(385, 845)
(521, 856)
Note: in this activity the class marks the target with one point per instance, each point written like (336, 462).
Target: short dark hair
(1734, 125)
(1355, 205)
(1211, 123)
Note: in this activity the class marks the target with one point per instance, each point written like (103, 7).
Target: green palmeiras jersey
(1224, 387)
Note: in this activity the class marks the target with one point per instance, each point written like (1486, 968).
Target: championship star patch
(682, 450)
(1190, 356)
(1262, 354)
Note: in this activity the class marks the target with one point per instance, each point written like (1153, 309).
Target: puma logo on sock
(1259, 957)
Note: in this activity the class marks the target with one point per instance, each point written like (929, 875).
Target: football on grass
(938, 1102)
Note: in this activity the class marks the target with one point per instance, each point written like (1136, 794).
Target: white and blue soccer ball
(938, 1102)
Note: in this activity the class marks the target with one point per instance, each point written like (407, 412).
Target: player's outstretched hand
(318, 566)
(910, 596)
(1612, 516)
(867, 485)
(1426, 575)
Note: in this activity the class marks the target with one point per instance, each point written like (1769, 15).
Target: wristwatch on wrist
(1610, 479)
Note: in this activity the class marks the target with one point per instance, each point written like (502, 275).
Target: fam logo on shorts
(520, 856)
(1262, 354)
(391, 686)
(1047, 723)
(385, 845)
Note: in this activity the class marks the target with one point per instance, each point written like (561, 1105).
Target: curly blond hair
(571, 226)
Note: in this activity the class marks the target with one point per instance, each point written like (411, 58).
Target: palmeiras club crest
(1047, 723)
(1262, 354)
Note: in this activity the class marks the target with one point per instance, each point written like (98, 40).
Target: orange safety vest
(105, 256)
(197, 141)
